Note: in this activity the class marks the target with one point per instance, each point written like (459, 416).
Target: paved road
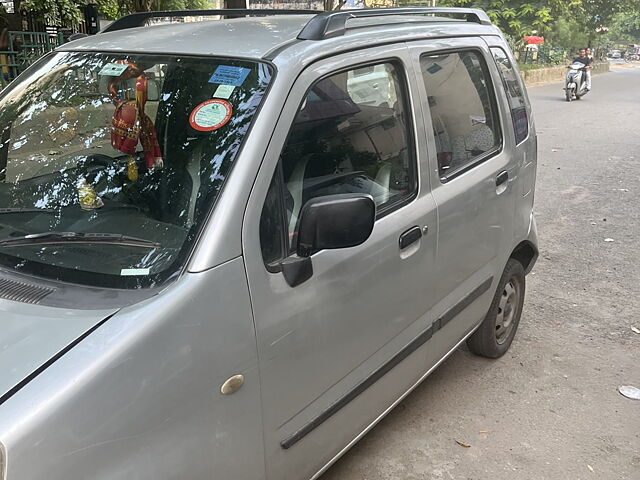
(550, 406)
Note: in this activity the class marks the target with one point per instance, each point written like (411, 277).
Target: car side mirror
(329, 222)
(335, 221)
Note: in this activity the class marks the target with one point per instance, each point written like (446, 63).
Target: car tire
(496, 332)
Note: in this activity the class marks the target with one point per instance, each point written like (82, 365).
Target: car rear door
(338, 349)
(474, 172)
(522, 128)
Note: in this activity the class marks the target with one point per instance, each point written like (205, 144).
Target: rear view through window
(515, 95)
(463, 112)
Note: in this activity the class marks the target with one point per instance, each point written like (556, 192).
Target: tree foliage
(623, 29)
(629, 24)
(569, 23)
(521, 17)
(567, 33)
(116, 8)
(67, 12)
(56, 12)
(602, 12)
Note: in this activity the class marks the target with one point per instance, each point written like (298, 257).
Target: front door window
(350, 135)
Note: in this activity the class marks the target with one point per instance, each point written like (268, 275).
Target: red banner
(533, 39)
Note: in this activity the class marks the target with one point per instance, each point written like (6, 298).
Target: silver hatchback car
(228, 248)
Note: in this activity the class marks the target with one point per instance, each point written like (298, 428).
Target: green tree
(67, 12)
(623, 29)
(567, 23)
(521, 17)
(629, 24)
(567, 33)
(56, 12)
(116, 8)
(618, 16)
(602, 12)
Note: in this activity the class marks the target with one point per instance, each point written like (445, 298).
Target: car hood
(32, 335)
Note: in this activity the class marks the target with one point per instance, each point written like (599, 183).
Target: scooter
(576, 83)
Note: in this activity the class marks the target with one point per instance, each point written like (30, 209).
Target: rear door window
(463, 110)
(515, 94)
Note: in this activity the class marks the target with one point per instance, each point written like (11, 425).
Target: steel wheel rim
(507, 310)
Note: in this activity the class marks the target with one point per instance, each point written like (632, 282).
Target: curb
(543, 76)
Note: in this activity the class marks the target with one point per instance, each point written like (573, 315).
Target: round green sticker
(210, 115)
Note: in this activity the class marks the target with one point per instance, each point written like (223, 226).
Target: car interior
(349, 136)
(461, 112)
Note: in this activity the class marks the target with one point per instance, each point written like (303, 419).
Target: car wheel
(494, 336)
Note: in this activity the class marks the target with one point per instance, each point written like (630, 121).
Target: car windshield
(109, 163)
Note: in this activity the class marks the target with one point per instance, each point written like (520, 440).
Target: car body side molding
(384, 369)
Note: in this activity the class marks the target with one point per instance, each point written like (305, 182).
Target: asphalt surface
(550, 408)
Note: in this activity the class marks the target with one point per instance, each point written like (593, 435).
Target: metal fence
(542, 55)
(24, 48)
(547, 55)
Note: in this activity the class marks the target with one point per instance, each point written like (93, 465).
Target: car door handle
(502, 178)
(410, 236)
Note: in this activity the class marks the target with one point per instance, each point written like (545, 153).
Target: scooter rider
(582, 58)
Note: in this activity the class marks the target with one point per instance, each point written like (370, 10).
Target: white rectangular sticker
(113, 69)
(224, 91)
(127, 272)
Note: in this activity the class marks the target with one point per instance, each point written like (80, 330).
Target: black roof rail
(138, 19)
(333, 23)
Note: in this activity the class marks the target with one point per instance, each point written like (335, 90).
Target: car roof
(266, 37)
(252, 37)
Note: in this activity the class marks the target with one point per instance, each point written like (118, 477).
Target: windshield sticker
(228, 75)
(224, 91)
(210, 115)
(128, 272)
(113, 69)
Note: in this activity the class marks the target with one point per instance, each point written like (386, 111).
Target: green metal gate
(24, 49)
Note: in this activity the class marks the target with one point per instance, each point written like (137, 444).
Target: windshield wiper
(55, 238)
(26, 210)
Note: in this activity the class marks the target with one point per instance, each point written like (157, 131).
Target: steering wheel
(97, 159)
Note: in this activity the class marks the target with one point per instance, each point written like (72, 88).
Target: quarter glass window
(463, 113)
(271, 223)
(515, 95)
(350, 135)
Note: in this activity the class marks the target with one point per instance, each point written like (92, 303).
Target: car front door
(474, 173)
(340, 348)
